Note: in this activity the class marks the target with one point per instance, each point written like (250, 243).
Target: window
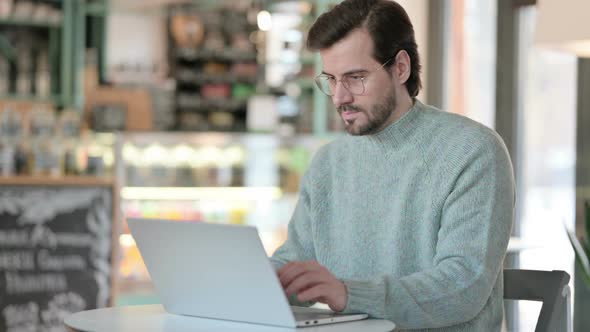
(547, 152)
(471, 64)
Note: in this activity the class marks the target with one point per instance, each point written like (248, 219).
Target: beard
(376, 118)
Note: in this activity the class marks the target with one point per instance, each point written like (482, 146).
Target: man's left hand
(311, 281)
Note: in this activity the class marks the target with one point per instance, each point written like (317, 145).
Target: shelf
(29, 23)
(225, 54)
(199, 78)
(201, 193)
(56, 181)
(194, 102)
(29, 98)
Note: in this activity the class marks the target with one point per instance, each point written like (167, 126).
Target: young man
(407, 218)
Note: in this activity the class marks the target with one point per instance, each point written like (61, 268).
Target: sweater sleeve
(475, 224)
(299, 243)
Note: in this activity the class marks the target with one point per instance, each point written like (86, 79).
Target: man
(407, 218)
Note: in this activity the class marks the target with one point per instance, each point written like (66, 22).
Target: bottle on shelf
(96, 163)
(6, 8)
(24, 74)
(43, 75)
(23, 9)
(74, 160)
(47, 150)
(10, 132)
(4, 75)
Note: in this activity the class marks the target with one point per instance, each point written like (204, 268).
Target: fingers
(304, 281)
(315, 293)
(333, 294)
(293, 270)
(311, 281)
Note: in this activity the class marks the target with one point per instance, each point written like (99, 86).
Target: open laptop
(221, 272)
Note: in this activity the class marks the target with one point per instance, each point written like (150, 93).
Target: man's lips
(349, 112)
(348, 115)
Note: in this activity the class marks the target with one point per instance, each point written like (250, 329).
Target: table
(153, 318)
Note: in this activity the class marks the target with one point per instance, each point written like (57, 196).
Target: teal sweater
(415, 220)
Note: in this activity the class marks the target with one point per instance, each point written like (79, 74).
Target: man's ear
(402, 67)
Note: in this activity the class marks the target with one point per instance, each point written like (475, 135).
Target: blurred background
(206, 111)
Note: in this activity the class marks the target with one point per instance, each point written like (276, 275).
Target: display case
(248, 179)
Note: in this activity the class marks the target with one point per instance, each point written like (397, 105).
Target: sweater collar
(397, 133)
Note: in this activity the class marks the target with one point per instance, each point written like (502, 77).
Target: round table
(153, 318)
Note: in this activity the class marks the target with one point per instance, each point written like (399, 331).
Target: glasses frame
(318, 79)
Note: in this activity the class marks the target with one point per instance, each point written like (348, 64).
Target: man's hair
(387, 23)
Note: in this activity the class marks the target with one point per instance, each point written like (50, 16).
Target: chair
(550, 287)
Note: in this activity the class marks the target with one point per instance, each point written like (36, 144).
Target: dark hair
(386, 21)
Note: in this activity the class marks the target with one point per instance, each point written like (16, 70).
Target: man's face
(371, 111)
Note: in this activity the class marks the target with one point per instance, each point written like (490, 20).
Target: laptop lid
(211, 271)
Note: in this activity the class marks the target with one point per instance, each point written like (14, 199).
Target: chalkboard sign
(55, 254)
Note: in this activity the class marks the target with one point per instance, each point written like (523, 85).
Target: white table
(153, 318)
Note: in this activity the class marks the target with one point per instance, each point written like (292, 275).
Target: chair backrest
(550, 287)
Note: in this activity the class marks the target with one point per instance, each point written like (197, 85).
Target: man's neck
(404, 105)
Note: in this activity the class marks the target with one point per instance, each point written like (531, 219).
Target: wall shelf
(195, 77)
(63, 34)
(10, 21)
(56, 181)
(193, 102)
(30, 98)
(208, 54)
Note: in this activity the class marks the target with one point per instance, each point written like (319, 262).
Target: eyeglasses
(354, 83)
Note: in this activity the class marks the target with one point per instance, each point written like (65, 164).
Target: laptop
(220, 272)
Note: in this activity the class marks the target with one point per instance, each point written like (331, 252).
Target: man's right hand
(311, 281)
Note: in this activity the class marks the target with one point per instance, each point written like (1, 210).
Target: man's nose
(341, 95)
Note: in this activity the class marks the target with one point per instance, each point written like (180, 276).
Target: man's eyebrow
(350, 72)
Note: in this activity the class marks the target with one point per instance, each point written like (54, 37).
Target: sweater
(414, 220)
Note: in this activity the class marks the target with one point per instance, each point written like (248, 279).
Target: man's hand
(311, 281)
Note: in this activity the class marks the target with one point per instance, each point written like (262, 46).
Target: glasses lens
(323, 83)
(354, 84)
